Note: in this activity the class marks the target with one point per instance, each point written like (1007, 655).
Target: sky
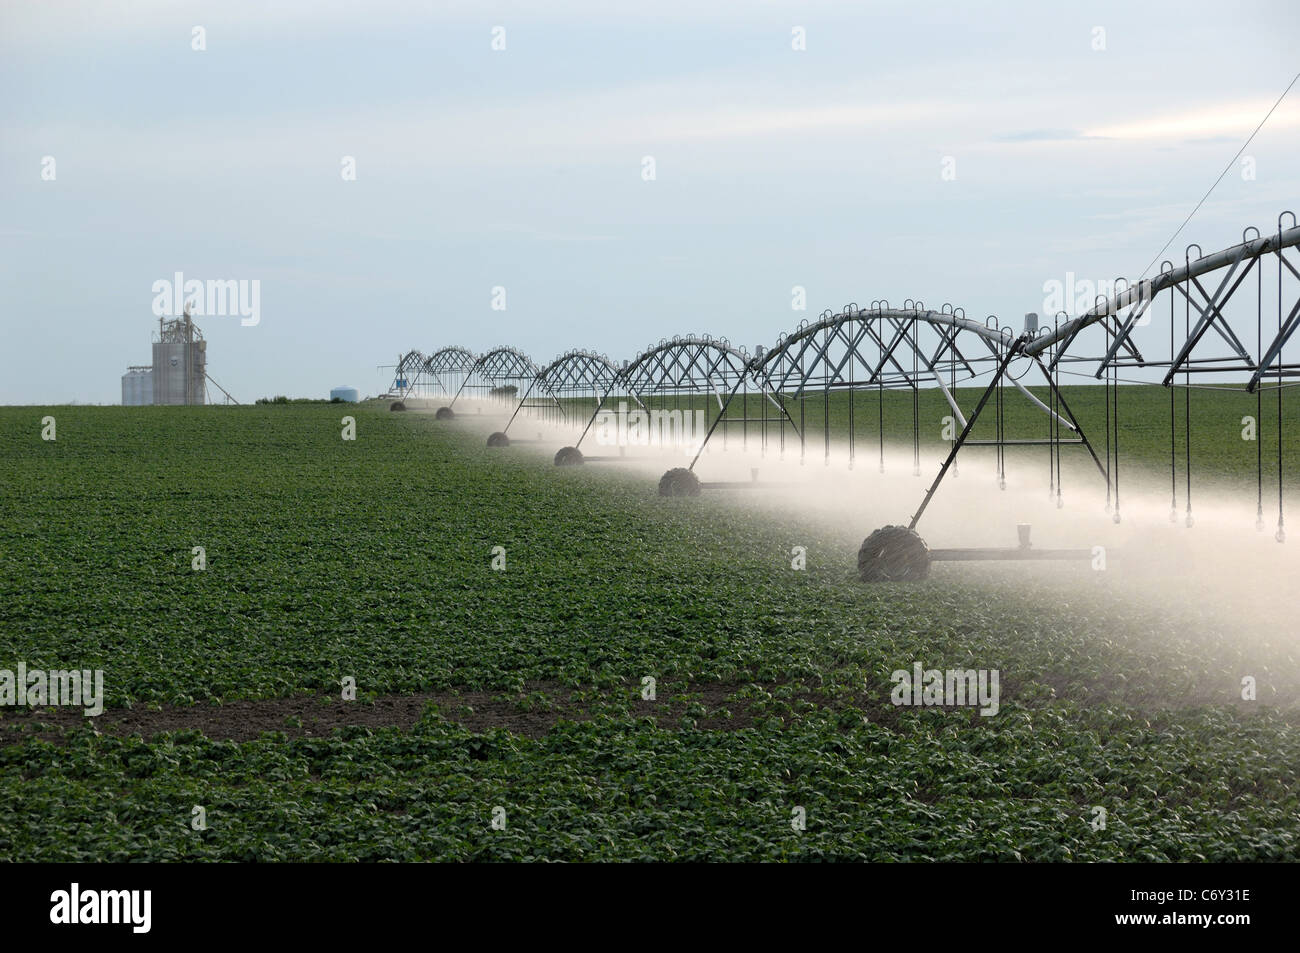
(954, 153)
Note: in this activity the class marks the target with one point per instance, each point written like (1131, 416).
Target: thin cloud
(1041, 135)
(1224, 121)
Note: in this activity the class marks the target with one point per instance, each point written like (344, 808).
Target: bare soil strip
(532, 713)
(306, 716)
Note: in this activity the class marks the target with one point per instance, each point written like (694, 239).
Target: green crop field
(500, 713)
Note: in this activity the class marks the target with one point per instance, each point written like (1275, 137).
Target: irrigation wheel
(679, 481)
(498, 439)
(397, 405)
(893, 554)
(568, 457)
(444, 413)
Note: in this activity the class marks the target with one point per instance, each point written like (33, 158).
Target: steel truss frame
(865, 351)
(439, 374)
(572, 378)
(860, 350)
(684, 367)
(1204, 287)
(498, 368)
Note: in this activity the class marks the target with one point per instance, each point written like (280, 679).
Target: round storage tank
(349, 394)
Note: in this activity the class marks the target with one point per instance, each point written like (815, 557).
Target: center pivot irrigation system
(778, 397)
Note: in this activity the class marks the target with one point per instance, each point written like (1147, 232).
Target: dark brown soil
(300, 716)
(710, 706)
(316, 716)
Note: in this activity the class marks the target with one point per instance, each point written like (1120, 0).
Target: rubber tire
(893, 554)
(444, 413)
(679, 481)
(568, 457)
(498, 439)
(397, 405)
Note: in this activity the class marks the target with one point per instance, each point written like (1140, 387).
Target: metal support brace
(1016, 347)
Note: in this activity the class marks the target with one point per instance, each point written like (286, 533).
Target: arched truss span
(862, 352)
(857, 351)
(449, 359)
(864, 348)
(690, 364)
(564, 388)
(1188, 286)
(406, 373)
(579, 371)
(700, 369)
(1221, 320)
(492, 375)
(438, 374)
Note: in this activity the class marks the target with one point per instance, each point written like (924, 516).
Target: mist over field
(1221, 575)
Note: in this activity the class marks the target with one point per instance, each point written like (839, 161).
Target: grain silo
(180, 362)
(137, 387)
